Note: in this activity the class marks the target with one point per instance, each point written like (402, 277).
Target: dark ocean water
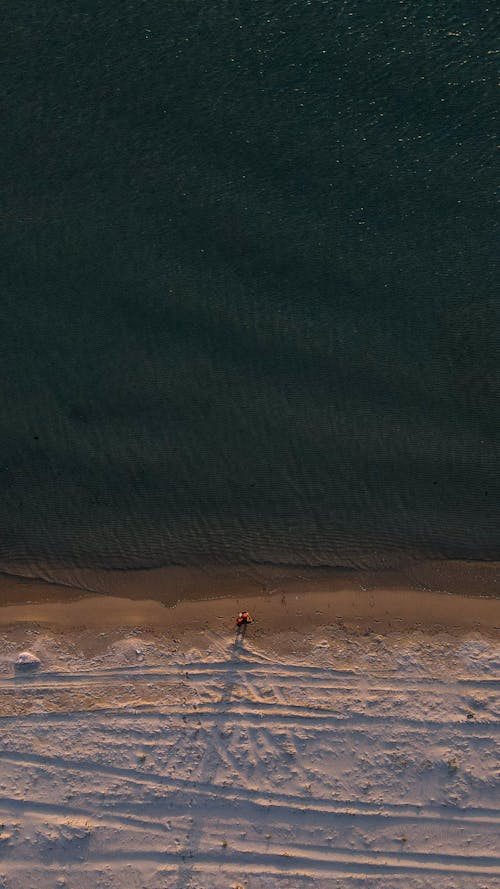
(248, 304)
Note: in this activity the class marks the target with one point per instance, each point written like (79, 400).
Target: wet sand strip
(457, 596)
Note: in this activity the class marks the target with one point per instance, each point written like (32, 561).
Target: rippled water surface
(248, 296)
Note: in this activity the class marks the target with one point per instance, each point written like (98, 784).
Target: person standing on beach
(242, 622)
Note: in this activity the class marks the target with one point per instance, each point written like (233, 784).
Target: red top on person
(243, 618)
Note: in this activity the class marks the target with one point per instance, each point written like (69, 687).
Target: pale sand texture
(319, 759)
(351, 739)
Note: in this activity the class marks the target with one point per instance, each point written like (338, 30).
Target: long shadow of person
(186, 872)
(241, 633)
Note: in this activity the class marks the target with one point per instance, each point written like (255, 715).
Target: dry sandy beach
(350, 740)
